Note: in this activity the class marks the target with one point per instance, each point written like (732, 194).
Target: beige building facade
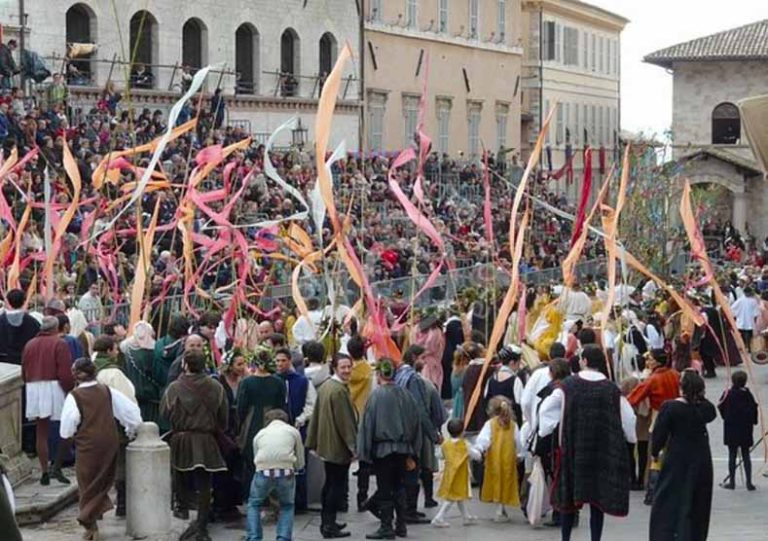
(474, 51)
(572, 62)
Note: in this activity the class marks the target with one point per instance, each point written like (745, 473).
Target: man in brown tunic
(197, 408)
(89, 415)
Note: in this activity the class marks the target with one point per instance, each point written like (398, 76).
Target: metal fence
(443, 290)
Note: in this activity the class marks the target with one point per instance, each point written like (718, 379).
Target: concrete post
(148, 485)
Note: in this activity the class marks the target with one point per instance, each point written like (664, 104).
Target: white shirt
(655, 339)
(91, 307)
(529, 400)
(550, 413)
(305, 330)
(746, 310)
(114, 378)
(123, 410)
(577, 305)
(649, 290)
(309, 406)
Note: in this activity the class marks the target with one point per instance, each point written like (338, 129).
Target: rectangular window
(600, 65)
(616, 56)
(443, 125)
(592, 50)
(577, 124)
(593, 126)
(502, 20)
(558, 43)
(411, 14)
(442, 16)
(571, 36)
(411, 117)
(607, 56)
(546, 114)
(548, 39)
(473, 125)
(502, 120)
(376, 126)
(585, 49)
(474, 18)
(610, 126)
(560, 125)
(601, 124)
(585, 126)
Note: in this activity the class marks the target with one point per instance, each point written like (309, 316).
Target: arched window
(327, 54)
(143, 53)
(289, 62)
(726, 124)
(193, 44)
(80, 28)
(247, 59)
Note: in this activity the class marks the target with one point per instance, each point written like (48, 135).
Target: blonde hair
(500, 407)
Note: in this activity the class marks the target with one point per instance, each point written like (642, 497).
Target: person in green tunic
(256, 395)
(332, 435)
(169, 348)
(138, 354)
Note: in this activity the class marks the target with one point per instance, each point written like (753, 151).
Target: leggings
(733, 450)
(596, 519)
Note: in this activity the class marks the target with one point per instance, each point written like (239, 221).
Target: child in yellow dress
(454, 486)
(498, 443)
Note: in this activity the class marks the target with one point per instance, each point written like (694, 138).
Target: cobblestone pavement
(736, 515)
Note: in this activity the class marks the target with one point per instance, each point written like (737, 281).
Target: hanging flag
(549, 158)
(569, 163)
(602, 160)
(586, 190)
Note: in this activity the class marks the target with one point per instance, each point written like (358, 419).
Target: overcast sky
(646, 90)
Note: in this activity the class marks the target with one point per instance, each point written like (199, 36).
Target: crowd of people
(254, 409)
(251, 417)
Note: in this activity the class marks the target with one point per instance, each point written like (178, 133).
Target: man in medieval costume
(332, 436)
(88, 415)
(197, 408)
(595, 423)
(390, 438)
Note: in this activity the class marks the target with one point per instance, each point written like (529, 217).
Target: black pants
(746, 335)
(637, 466)
(390, 494)
(364, 473)
(198, 481)
(733, 451)
(333, 492)
(596, 519)
(227, 486)
(427, 478)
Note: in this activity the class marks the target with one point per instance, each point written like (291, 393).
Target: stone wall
(699, 87)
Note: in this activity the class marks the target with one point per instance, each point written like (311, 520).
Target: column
(739, 216)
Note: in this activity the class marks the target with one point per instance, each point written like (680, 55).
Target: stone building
(272, 54)
(572, 62)
(710, 75)
(475, 51)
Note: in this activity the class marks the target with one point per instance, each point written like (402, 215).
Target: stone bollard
(148, 485)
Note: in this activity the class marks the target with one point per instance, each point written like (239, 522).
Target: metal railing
(444, 290)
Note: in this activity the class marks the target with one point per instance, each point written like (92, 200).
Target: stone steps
(36, 503)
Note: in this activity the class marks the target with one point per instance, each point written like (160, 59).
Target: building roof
(748, 42)
(723, 155)
(581, 8)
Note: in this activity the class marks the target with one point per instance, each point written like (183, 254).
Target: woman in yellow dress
(497, 441)
(454, 486)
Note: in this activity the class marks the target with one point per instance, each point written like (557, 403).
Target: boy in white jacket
(278, 454)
